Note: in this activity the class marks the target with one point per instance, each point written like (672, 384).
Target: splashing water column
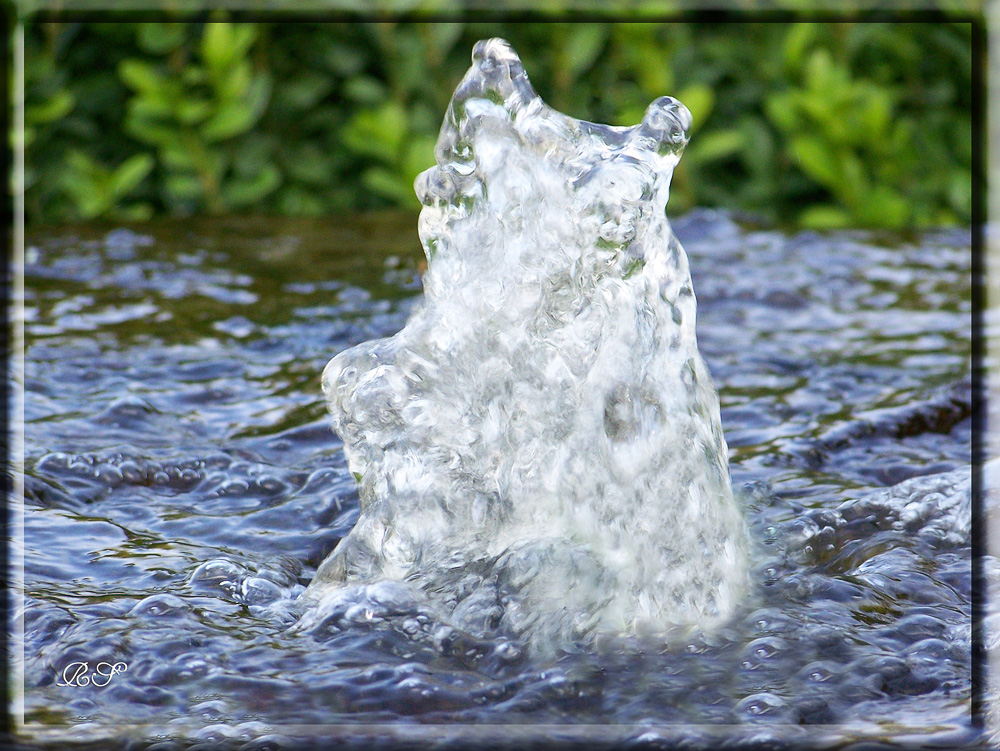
(540, 450)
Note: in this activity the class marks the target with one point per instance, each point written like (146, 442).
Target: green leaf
(884, 207)
(852, 187)
(193, 75)
(875, 116)
(130, 173)
(442, 37)
(798, 39)
(419, 156)
(821, 75)
(152, 132)
(177, 159)
(389, 185)
(136, 212)
(824, 217)
(377, 133)
(160, 38)
(960, 192)
(193, 111)
(238, 193)
(630, 115)
(259, 94)
(223, 44)
(236, 81)
(140, 76)
(825, 109)
(365, 90)
(217, 49)
(581, 48)
(298, 202)
(54, 108)
(816, 160)
(781, 110)
(699, 99)
(655, 72)
(93, 205)
(716, 144)
(88, 185)
(231, 120)
(150, 108)
(244, 35)
(82, 165)
(184, 187)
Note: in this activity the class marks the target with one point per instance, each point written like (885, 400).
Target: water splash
(539, 450)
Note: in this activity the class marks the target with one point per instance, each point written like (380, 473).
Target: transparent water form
(539, 451)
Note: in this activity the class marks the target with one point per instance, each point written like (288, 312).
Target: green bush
(804, 124)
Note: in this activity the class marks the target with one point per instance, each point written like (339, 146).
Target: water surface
(182, 485)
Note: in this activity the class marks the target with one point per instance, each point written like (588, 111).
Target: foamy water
(540, 450)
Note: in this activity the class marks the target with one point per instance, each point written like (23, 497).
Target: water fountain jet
(540, 450)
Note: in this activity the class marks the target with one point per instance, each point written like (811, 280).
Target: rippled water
(182, 485)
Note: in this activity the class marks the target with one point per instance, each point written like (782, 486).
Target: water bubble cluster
(540, 450)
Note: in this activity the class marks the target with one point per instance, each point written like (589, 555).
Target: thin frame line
(392, 728)
(18, 360)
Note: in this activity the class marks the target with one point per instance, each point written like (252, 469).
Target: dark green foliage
(806, 124)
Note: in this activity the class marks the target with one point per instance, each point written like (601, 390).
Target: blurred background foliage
(802, 124)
